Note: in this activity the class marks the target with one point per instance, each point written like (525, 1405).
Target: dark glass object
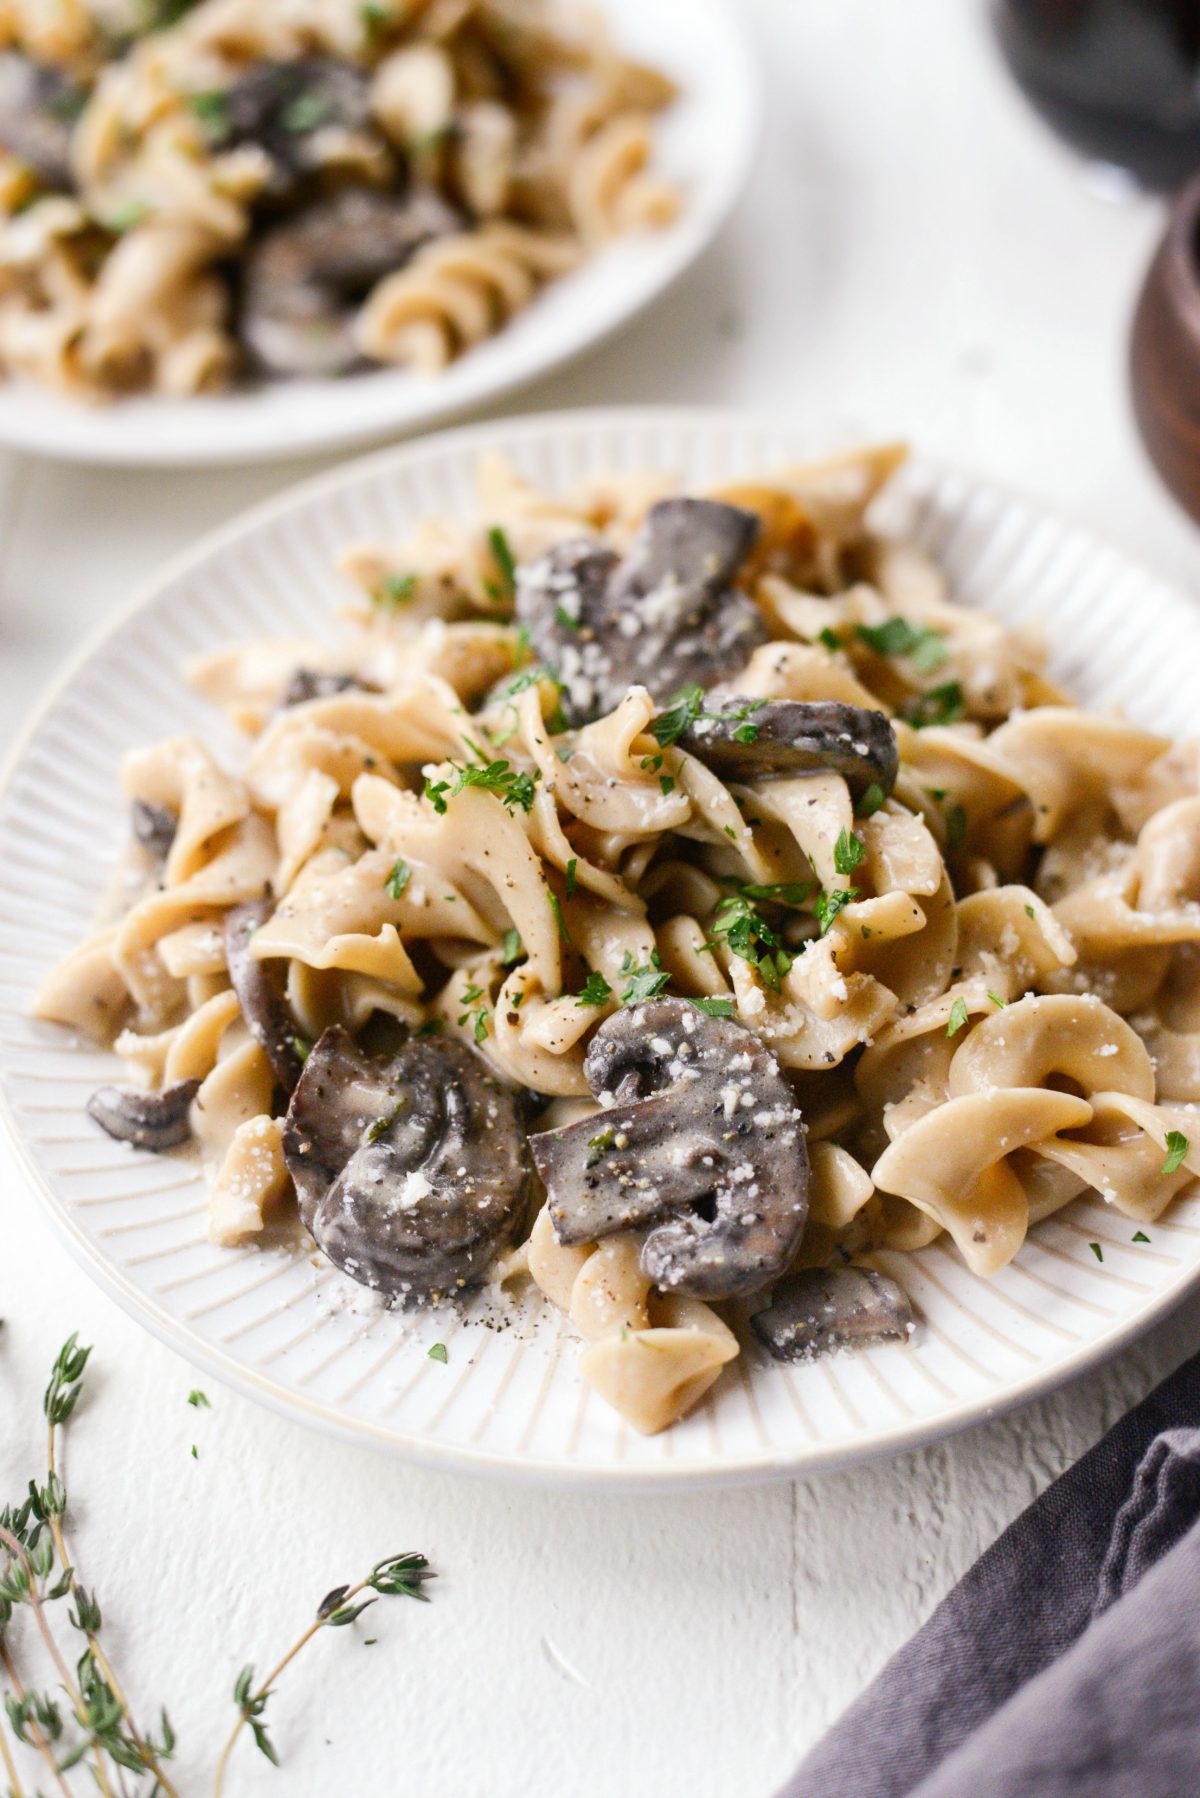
(1164, 361)
(1120, 79)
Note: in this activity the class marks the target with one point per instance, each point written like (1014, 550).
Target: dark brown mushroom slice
(154, 827)
(153, 1121)
(304, 278)
(702, 1142)
(38, 107)
(411, 1168)
(262, 1004)
(664, 617)
(745, 740)
(279, 107)
(316, 683)
(822, 1309)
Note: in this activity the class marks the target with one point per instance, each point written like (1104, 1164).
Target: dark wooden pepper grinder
(1164, 359)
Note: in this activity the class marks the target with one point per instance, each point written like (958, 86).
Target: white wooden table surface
(917, 255)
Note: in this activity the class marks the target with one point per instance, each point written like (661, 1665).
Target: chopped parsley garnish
(996, 999)
(394, 591)
(438, 1353)
(432, 1027)
(683, 710)
(958, 1017)
(714, 1008)
(1097, 1251)
(398, 879)
(556, 908)
(1139, 1236)
(848, 851)
(1029, 912)
(511, 948)
(828, 904)
(600, 1144)
(384, 1123)
(645, 982)
(1177, 1149)
(650, 764)
(925, 649)
(829, 638)
(505, 562)
(563, 617)
(124, 217)
(211, 107)
(780, 892)
(594, 991)
(941, 705)
(306, 112)
(199, 1400)
(956, 827)
(572, 867)
(530, 677)
(738, 923)
(666, 784)
(870, 800)
(494, 777)
(746, 733)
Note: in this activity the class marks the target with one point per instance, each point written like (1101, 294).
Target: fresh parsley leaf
(956, 827)
(303, 1046)
(306, 112)
(1029, 912)
(714, 1008)
(497, 777)
(563, 617)
(958, 1017)
(481, 1024)
(746, 733)
(398, 879)
(827, 905)
(829, 638)
(211, 107)
(393, 591)
(644, 982)
(431, 1027)
(594, 991)
(1097, 1251)
(781, 892)
(511, 948)
(1139, 1236)
(666, 784)
(996, 999)
(556, 908)
(870, 800)
(739, 923)
(599, 1145)
(1177, 1151)
(941, 705)
(684, 709)
(925, 648)
(438, 1353)
(572, 867)
(199, 1401)
(848, 851)
(383, 1124)
(505, 562)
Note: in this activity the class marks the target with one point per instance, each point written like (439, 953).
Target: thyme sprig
(396, 1576)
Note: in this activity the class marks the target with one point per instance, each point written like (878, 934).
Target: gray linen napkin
(1066, 1663)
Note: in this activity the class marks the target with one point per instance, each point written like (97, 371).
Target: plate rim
(682, 249)
(502, 1464)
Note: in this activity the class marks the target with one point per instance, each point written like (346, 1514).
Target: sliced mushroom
(665, 617)
(38, 106)
(281, 107)
(314, 683)
(747, 741)
(700, 1138)
(153, 1121)
(263, 1006)
(822, 1309)
(154, 826)
(304, 278)
(411, 1169)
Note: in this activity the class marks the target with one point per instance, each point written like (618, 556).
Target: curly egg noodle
(975, 979)
(193, 192)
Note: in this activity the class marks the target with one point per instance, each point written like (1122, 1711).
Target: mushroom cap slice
(315, 683)
(36, 107)
(153, 1121)
(411, 1169)
(700, 1139)
(263, 1006)
(154, 827)
(281, 107)
(665, 617)
(822, 1309)
(791, 737)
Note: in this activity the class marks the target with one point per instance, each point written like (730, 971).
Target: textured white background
(915, 255)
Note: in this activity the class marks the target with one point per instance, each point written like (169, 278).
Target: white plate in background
(510, 1402)
(706, 142)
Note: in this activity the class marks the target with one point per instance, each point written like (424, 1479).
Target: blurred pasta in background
(192, 194)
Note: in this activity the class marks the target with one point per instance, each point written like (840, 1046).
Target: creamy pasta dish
(675, 901)
(190, 193)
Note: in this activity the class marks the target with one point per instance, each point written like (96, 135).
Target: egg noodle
(765, 1001)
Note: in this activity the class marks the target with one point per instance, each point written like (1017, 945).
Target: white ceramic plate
(511, 1401)
(706, 141)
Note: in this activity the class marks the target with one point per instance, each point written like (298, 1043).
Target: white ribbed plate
(704, 143)
(510, 1401)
